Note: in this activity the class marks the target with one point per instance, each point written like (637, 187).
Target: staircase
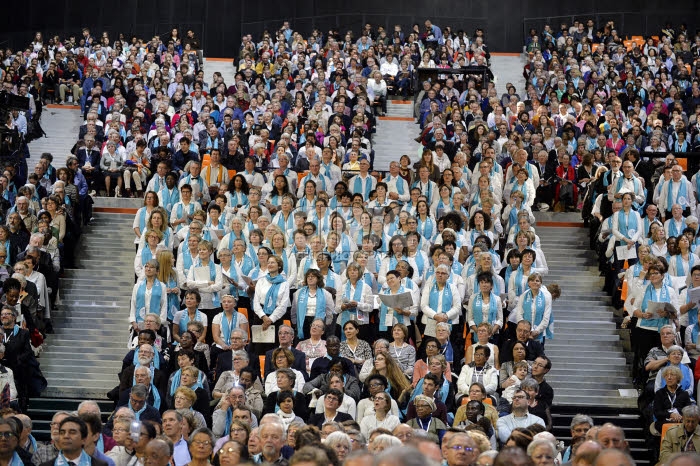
(395, 133)
(42, 410)
(588, 363)
(628, 419)
(91, 324)
(61, 124)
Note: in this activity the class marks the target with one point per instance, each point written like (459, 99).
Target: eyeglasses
(331, 398)
(543, 457)
(119, 429)
(237, 429)
(520, 397)
(461, 448)
(6, 435)
(223, 451)
(202, 443)
(181, 398)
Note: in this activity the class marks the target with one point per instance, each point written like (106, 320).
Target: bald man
(613, 457)
(586, 453)
(158, 453)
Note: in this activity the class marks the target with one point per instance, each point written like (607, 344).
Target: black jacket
(93, 461)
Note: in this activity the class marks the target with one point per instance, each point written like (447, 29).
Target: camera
(135, 431)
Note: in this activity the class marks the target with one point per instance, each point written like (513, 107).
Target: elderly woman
(535, 306)
(314, 347)
(424, 420)
(483, 333)
(282, 358)
(479, 370)
(381, 442)
(230, 378)
(201, 446)
(432, 348)
(271, 298)
(111, 165)
(225, 323)
(382, 417)
(184, 399)
(189, 314)
(675, 355)
(311, 302)
(149, 296)
(542, 452)
(444, 294)
(193, 378)
(340, 443)
(670, 400)
(234, 451)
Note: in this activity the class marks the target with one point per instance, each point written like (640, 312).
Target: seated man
(685, 437)
(286, 338)
(522, 335)
(519, 417)
(331, 403)
(322, 365)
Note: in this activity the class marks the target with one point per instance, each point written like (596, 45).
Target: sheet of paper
(623, 252)
(430, 328)
(694, 294)
(397, 301)
(263, 336)
(661, 310)
(371, 264)
(248, 280)
(201, 274)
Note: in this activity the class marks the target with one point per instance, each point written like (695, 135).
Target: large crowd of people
(395, 317)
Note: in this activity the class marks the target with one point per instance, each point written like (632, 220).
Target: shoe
(92, 193)
(117, 192)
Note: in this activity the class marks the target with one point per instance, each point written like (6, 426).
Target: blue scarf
(185, 319)
(170, 198)
(400, 183)
(175, 383)
(478, 313)
(420, 262)
(446, 299)
(680, 268)
(228, 327)
(635, 184)
(427, 192)
(84, 459)
(350, 314)
(154, 305)
(664, 297)
(383, 311)
(673, 230)
(173, 299)
(682, 198)
(238, 197)
(142, 219)
(363, 187)
(285, 225)
(285, 261)
(212, 277)
(146, 254)
(272, 294)
(233, 237)
(520, 281)
(627, 223)
(540, 304)
(302, 305)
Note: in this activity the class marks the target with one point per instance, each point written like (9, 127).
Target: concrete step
(586, 401)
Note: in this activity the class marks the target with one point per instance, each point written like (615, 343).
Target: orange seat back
(244, 311)
(231, 174)
(683, 163)
(261, 358)
(665, 428)
(488, 401)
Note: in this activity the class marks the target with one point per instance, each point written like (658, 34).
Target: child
(520, 370)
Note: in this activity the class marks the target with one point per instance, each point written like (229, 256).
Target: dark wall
(221, 23)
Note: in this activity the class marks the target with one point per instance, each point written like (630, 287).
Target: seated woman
(398, 383)
(519, 354)
(670, 400)
(480, 371)
(314, 347)
(382, 417)
(379, 346)
(187, 346)
(347, 404)
(424, 420)
(286, 381)
(483, 333)
(286, 401)
(192, 378)
(282, 359)
(421, 368)
(675, 355)
(230, 378)
(354, 349)
(534, 406)
(373, 385)
(445, 391)
(185, 398)
(340, 367)
(402, 352)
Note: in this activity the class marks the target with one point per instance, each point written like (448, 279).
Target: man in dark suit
(73, 435)
(323, 365)
(286, 338)
(145, 358)
(522, 335)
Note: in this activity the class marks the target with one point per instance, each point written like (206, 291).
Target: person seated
(519, 416)
(286, 401)
(424, 420)
(138, 405)
(185, 358)
(322, 383)
(675, 355)
(286, 338)
(382, 417)
(430, 386)
(145, 358)
(231, 404)
(184, 399)
(373, 384)
(670, 400)
(479, 370)
(347, 404)
(282, 359)
(322, 365)
(331, 403)
(145, 337)
(286, 381)
(533, 348)
(144, 376)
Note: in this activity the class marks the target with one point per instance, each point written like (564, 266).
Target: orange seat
(665, 428)
(206, 163)
(628, 45)
(300, 176)
(206, 159)
(231, 174)
(244, 311)
(683, 163)
(488, 401)
(287, 323)
(261, 358)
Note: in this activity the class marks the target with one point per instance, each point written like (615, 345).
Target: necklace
(396, 349)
